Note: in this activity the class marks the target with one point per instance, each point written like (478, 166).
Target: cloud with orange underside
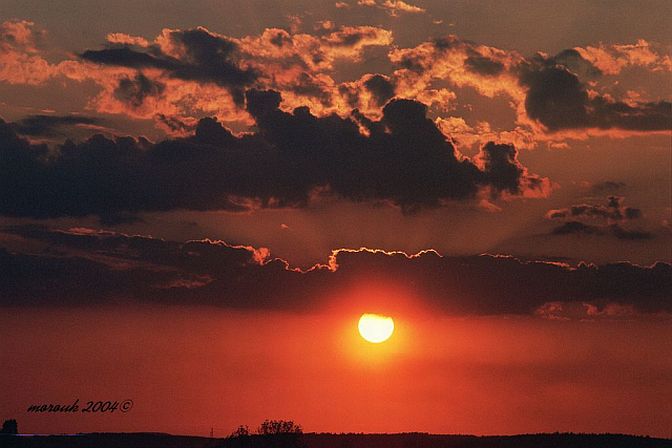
(183, 75)
(20, 58)
(393, 7)
(314, 53)
(298, 65)
(612, 59)
(531, 85)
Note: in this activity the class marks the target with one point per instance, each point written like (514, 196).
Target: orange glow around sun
(375, 328)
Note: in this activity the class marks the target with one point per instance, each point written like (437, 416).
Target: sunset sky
(198, 201)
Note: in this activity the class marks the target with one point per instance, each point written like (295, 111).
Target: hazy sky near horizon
(188, 189)
(202, 368)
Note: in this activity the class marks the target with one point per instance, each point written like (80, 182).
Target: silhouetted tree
(241, 431)
(271, 427)
(10, 427)
(270, 434)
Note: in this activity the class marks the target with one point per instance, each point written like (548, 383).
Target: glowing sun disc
(375, 328)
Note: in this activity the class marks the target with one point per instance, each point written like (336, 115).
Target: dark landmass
(311, 440)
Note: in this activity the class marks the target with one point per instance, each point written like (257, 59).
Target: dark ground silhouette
(310, 440)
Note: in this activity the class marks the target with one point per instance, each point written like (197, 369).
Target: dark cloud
(209, 58)
(133, 91)
(621, 233)
(448, 42)
(559, 100)
(82, 267)
(381, 88)
(351, 36)
(174, 124)
(502, 169)
(281, 38)
(572, 60)
(130, 57)
(610, 218)
(483, 65)
(50, 125)
(614, 210)
(404, 160)
(307, 85)
(203, 57)
(556, 98)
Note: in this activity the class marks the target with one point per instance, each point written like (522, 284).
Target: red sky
(194, 369)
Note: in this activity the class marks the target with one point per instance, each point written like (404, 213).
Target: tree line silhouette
(288, 434)
(270, 433)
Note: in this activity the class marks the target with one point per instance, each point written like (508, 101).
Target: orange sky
(189, 369)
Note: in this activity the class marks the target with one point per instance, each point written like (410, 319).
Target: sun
(375, 328)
